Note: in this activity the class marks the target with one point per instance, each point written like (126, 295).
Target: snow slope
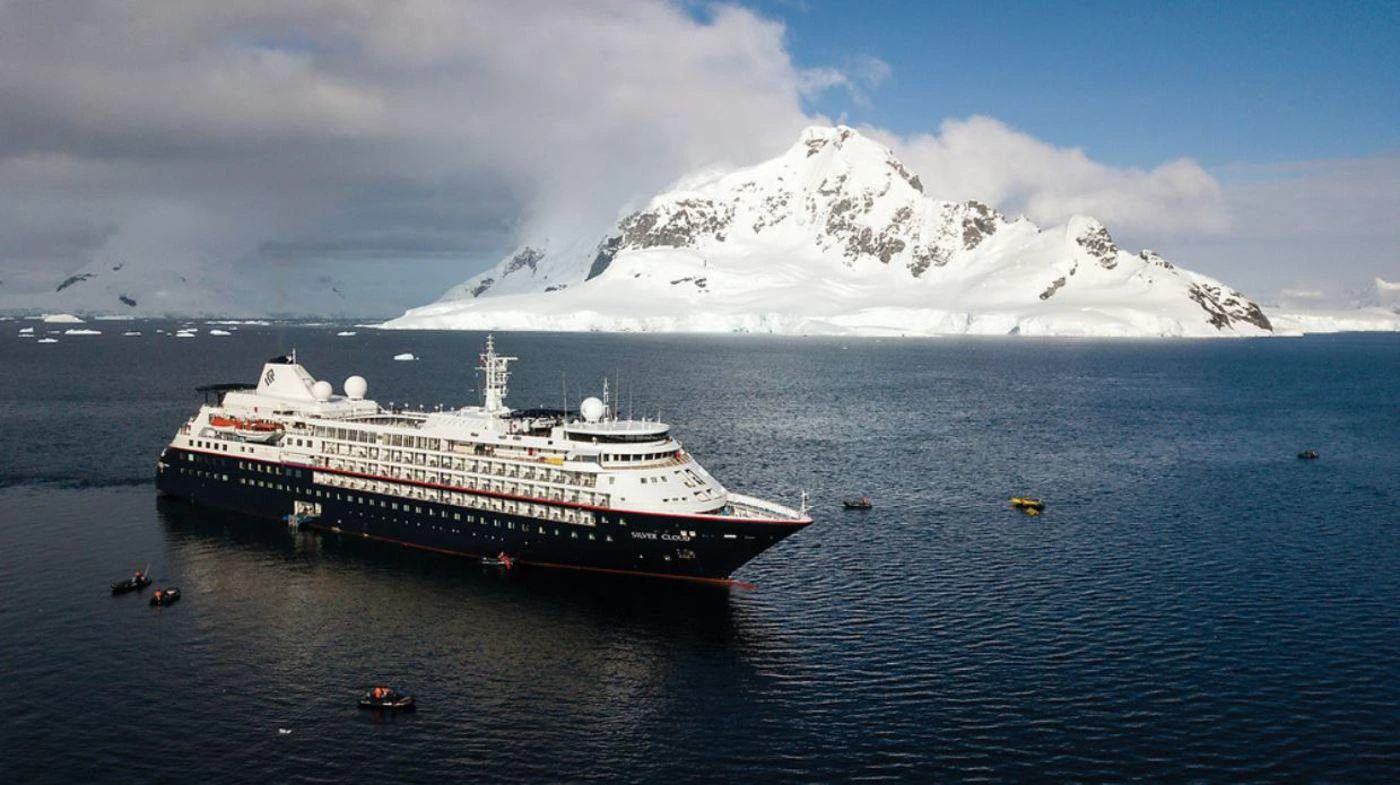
(837, 236)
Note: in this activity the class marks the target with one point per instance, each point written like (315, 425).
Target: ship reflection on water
(456, 633)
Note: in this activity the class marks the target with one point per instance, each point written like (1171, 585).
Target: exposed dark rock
(689, 220)
(912, 179)
(1052, 288)
(774, 211)
(607, 250)
(1253, 314)
(1155, 259)
(1222, 307)
(481, 288)
(528, 257)
(557, 287)
(1099, 243)
(127, 301)
(72, 279)
(925, 255)
(831, 188)
(979, 222)
(1214, 313)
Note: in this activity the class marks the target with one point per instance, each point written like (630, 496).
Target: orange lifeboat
(257, 430)
(250, 430)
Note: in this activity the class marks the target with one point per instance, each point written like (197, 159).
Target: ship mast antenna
(496, 369)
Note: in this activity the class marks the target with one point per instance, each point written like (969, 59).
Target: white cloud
(1327, 226)
(411, 128)
(984, 159)
(440, 132)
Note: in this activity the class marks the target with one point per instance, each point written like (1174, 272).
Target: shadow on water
(227, 543)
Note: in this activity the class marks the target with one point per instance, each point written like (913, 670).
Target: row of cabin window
(416, 509)
(370, 437)
(628, 458)
(503, 469)
(209, 475)
(524, 487)
(570, 516)
(456, 516)
(219, 446)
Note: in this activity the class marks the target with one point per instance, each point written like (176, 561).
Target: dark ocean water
(1195, 605)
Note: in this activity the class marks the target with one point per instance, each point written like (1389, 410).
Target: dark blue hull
(706, 548)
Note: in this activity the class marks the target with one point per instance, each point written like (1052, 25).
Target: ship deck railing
(742, 506)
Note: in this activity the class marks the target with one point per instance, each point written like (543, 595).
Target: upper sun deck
(617, 431)
(286, 391)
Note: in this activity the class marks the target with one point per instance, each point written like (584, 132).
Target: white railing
(754, 507)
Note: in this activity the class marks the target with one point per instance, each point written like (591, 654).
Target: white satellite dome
(592, 409)
(356, 387)
(322, 390)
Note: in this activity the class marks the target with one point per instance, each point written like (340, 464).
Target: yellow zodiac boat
(1028, 505)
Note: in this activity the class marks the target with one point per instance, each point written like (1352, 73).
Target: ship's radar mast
(497, 372)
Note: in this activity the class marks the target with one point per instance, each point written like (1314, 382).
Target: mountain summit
(836, 235)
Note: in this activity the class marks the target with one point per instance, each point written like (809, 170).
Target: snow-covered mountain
(837, 236)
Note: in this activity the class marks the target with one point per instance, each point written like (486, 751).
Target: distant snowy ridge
(836, 236)
(144, 288)
(1337, 321)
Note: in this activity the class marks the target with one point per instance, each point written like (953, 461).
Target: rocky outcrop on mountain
(837, 235)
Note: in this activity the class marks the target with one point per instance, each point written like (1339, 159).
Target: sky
(399, 148)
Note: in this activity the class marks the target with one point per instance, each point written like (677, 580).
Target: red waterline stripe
(494, 494)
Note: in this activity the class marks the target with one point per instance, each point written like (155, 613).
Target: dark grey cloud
(309, 131)
(408, 144)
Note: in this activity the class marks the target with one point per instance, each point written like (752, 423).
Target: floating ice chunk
(26, 331)
(132, 332)
(406, 356)
(344, 333)
(82, 332)
(61, 318)
(220, 332)
(47, 340)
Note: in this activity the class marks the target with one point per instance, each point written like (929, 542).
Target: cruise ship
(582, 490)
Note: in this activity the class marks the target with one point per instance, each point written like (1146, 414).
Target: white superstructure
(547, 464)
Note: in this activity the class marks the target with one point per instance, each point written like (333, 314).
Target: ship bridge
(618, 431)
